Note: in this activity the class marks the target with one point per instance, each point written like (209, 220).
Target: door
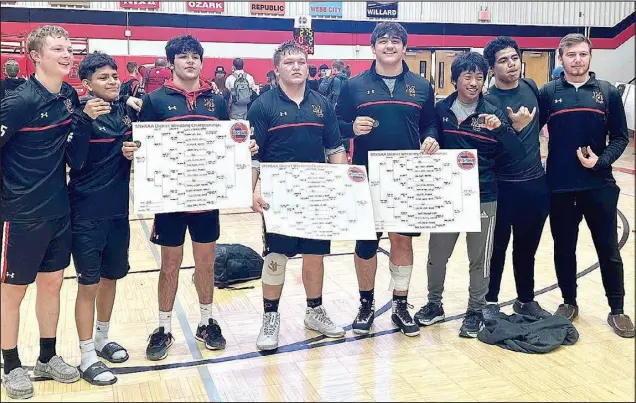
(419, 62)
(443, 61)
(536, 65)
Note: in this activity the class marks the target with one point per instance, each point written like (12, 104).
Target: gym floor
(436, 366)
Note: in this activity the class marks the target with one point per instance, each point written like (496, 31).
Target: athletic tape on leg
(274, 266)
(400, 277)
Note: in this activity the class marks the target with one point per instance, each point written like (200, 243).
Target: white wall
(615, 65)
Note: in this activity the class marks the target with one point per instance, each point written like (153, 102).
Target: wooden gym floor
(435, 366)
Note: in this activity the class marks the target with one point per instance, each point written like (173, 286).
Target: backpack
(234, 264)
(241, 92)
(604, 87)
(326, 89)
(130, 87)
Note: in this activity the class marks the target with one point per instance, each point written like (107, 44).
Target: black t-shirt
(529, 167)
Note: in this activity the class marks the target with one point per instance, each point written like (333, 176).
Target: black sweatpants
(522, 209)
(598, 206)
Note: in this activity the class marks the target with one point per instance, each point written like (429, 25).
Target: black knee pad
(367, 249)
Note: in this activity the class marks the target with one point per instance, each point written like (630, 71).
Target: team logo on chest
(209, 104)
(126, 121)
(369, 92)
(317, 109)
(598, 97)
(69, 105)
(410, 90)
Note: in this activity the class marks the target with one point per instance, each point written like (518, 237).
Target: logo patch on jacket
(209, 104)
(598, 97)
(69, 105)
(410, 90)
(317, 109)
(126, 121)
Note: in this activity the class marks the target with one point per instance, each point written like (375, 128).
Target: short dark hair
(468, 62)
(287, 48)
(313, 70)
(93, 62)
(390, 29)
(238, 63)
(183, 44)
(131, 66)
(498, 44)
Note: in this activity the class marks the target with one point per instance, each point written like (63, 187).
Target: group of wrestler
(45, 127)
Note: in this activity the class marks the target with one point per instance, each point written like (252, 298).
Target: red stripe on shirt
(191, 117)
(578, 110)
(294, 125)
(103, 140)
(389, 102)
(38, 129)
(477, 136)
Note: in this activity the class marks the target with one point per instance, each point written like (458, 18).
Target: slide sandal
(109, 350)
(94, 370)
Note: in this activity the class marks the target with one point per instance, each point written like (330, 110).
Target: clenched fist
(96, 107)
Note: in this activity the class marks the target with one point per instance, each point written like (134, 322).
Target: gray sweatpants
(440, 249)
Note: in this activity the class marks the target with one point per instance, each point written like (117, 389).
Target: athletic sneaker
(210, 334)
(403, 320)
(473, 324)
(158, 345)
(268, 337)
(430, 313)
(18, 384)
(364, 320)
(317, 319)
(491, 310)
(57, 370)
(531, 308)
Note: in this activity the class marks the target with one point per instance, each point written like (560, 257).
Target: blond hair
(38, 36)
(571, 40)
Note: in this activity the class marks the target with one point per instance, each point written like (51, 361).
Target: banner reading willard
(382, 9)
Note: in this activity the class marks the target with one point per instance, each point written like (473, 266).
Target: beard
(578, 71)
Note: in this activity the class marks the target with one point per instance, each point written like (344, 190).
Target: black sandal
(91, 373)
(109, 350)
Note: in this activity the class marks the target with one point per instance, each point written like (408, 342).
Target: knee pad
(400, 277)
(274, 266)
(367, 249)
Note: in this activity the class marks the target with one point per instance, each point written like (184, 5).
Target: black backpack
(235, 264)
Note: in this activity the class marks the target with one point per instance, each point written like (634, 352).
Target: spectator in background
(132, 85)
(556, 73)
(242, 87)
(12, 82)
(312, 82)
(271, 82)
(158, 75)
(330, 87)
(324, 72)
(219, 81)
(347, 71)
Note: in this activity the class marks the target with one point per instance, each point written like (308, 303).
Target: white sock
(206, 314)
(101, 339)
(89, 357)
(165, 321)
